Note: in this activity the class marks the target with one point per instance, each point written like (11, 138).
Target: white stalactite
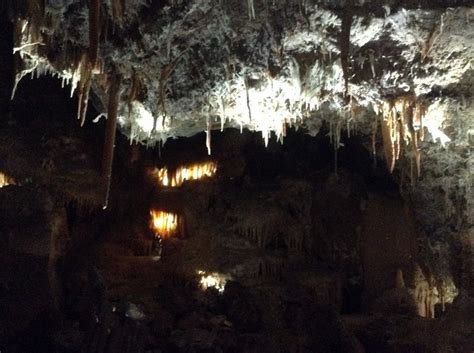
(223, 116)
(208, 135)
(251, 9)
(372, 62)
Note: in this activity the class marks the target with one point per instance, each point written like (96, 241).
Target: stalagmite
(109, 144)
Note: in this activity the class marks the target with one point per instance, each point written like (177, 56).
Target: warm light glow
(5, 180)
(164, 224)
(213, 280)
(192, 172)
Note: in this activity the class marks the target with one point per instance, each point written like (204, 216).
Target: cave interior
(225, 176)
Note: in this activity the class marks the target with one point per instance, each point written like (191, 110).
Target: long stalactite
(110, 131)
(85, 68)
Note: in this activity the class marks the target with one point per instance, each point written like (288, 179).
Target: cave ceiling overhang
(401, 69)
(192, 66)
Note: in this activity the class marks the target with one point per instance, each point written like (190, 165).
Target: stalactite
(420, 111)
(248, 98)
(403, 121)
(165, 74)
(372, 62)
(133, 94)
(109, 144)
(345, 42)
(94, 31)
(336, 141)
(208, 135)
(374, 140)
(84, 88)
(251, 9)
(266, 136)
(390, 136)
(223, 117)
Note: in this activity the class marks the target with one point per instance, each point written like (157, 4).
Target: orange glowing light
(5, 180)
(192, 172)
(164, 224)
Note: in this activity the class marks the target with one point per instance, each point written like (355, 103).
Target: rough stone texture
(185, 66)
(262, 65)
(275, 63)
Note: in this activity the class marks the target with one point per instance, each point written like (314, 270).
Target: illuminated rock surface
(322, 200)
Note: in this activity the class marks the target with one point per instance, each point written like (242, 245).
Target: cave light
(5, 180)
(164, 224)
(213, 280)
(191, 172)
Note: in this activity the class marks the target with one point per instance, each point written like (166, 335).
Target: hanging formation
(402, 126)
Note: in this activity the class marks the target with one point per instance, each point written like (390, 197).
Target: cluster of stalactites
(402, 130)
(29, 37)
(426, 291)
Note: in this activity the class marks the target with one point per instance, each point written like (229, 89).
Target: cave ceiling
(187, 66)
